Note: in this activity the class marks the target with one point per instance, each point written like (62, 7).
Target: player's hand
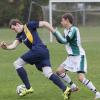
(3, 45)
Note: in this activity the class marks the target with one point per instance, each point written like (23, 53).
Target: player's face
(17, 28)
(64, 22)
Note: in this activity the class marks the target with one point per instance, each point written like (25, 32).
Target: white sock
(73, 86)
(66, 78)
(89, 85)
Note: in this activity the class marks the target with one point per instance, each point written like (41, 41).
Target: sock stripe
(89, 85)
(62, 75)
(87, 82)
(71, 83)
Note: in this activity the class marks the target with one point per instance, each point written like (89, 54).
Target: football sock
(56, 80)
(23, 75)
(89, 85)
(66, 78)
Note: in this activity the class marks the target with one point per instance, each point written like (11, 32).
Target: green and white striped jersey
(73, 46)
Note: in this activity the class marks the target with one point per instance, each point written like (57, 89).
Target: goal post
(51, 8)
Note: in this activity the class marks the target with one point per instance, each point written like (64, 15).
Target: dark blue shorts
(39, 55)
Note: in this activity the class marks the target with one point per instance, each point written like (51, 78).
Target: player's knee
(60, 72)
(81, 77)
(15, 64)
(47, 71)
(18, 63)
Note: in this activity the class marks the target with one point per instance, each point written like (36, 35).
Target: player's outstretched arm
(56, 33)
(59, 37)
(46, 25)
(12, 46)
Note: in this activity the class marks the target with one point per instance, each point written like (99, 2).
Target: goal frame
(63, 1)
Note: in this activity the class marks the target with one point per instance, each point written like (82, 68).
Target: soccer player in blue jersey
(37, 54)
(76, 60)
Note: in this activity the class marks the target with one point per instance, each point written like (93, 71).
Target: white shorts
(75, 63)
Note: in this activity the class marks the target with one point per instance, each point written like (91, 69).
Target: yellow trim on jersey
(28, 34)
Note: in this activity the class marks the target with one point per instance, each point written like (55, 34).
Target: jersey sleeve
(33, 24)
(18, 37)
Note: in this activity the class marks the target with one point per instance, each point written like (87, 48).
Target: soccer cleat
(29, 90)
(97, 95)
(74, 89)
(26, 91)
(23, 92)
(67, 93)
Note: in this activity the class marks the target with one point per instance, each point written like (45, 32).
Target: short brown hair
(68, 16)
(14, 21)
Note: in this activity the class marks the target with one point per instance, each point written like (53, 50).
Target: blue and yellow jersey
(29, 35)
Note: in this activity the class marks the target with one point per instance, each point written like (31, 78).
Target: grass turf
(44, 89)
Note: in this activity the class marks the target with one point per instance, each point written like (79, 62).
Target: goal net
(86, 12)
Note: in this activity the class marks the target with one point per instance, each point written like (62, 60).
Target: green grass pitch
(44, 89)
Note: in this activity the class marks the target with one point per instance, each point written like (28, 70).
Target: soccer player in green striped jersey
(76, 60)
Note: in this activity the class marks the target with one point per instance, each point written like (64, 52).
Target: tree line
(19, 9)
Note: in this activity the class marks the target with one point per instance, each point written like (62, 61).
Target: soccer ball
(20, 88)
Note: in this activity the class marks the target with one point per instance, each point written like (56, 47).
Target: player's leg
(19, 66)
(83, 79)
(44, 64)
(28, 57)
(47, 71)
(88, 84)
(56, 80)
(61, 72)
